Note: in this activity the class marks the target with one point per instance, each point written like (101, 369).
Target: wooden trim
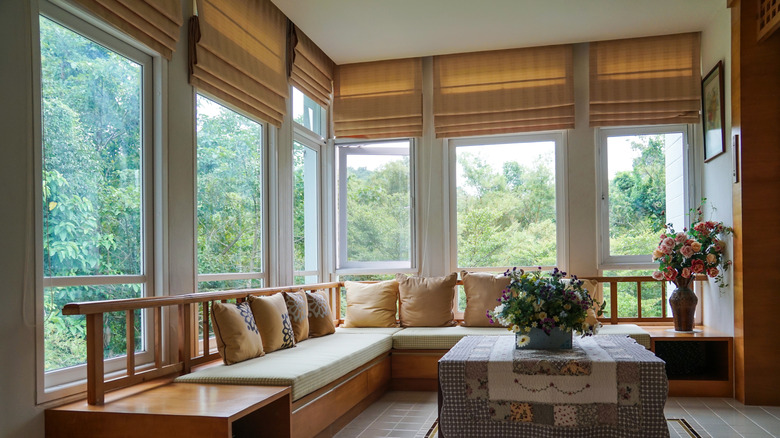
(130, 341)
(145, 376)
(95, 385)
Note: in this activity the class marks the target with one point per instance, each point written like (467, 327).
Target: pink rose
(686, 273)
(668, 242)
(713, 272)
(711, 225)
(697, 266)
(712, 259)
(670, 274)
(686, 251)
(658, 275)
(663, 236)
(696, 246)
(680, 238)
(657, 254)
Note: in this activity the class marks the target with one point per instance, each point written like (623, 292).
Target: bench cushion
(440, 338)
(307, 367)
(371, 330)
(631, 330)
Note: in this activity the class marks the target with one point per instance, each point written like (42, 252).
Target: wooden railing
(190, 353)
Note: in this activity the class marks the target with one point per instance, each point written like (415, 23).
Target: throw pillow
(237, 336)
(483, 290)
(371, 305)
(299, 314)
(273, 322)
(427, 302)
(320, 318)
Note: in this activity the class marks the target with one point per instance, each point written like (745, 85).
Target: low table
(605, 386)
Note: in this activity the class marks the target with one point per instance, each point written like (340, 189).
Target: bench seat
(440, 338)
(309, 366)
(633, 331)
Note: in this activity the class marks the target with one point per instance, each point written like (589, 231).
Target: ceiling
(368, 30)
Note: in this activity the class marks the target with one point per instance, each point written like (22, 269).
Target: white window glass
(305, 213)
(506, 202)
(230, 198)
(375, 205)
(643, 188)
(308, 113)
(95, 192)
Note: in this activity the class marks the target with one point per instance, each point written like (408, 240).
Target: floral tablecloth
(605, 386)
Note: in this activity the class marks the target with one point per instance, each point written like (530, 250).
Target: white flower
(523, 340)
(498, 309)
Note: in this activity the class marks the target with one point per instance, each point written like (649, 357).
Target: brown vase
(683, 302)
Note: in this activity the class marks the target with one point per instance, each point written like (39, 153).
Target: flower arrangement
(698, 250)
(536, 300)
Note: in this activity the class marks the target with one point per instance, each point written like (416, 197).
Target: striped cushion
(306, 368)
(440, 338)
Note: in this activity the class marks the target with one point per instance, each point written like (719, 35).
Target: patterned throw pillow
(273, 321)
(427, 301)
(298, 310)
(482, 293)
(320, 318)
(371, 305)
(237, 336)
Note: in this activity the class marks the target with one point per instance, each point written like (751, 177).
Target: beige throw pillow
(371, 305)
(273, 322)
(298, 310)
(320, 317)
(482, 293)
(237, 336)
(427, 301)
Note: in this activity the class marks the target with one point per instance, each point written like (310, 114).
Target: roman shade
(380, 99)
(238, 54)
(155, 23)
(645, 81)
(504, 91)
(311, 70)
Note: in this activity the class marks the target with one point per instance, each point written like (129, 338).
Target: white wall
(716, 174)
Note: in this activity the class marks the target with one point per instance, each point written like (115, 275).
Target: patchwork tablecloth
(606, 386)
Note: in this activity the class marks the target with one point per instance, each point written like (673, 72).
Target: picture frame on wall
(713, 113)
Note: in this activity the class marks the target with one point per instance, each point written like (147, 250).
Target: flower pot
(683, 303)
(557, 339)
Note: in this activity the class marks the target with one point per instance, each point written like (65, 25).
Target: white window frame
(559, 138)
(643, 261)
(343, 150)
(227, 276)
(311, 140)
(69, 381)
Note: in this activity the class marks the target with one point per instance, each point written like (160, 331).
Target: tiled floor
(410, 414)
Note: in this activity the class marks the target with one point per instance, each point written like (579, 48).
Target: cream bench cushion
(370, 330)
(633, 331)
(440, 338)
(309, 366)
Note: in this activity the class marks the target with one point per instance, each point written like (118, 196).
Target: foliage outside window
(375, 206)
(94, 191)
(230, 198)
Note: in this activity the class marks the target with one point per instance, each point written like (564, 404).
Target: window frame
(309, 139)
(644, 261)
(69, 381)
(561, 195)
(342, 267)
(262, 275)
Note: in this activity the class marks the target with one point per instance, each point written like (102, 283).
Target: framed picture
(713, 115)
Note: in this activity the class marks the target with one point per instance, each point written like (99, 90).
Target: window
(96, 191)
(507, 201)
(644, 186)
(306, 217)
(309, 114)
(230, 198)
(375, 206)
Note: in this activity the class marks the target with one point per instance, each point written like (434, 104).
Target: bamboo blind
(312, 69)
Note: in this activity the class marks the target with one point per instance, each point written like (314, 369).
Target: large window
(230, 198)
(375, 208)
(306, 217)
(643, 186)
(96, 235)
(507, 201)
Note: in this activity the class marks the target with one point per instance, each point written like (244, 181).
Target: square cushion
(237, 336)
(371, 305)
(483, 291)
(320, 317)
(427, 301)
(298, 310)
(273, 322)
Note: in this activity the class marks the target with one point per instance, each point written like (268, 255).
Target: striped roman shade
(312, 69)
(155, 23)
(238, 54)
(645, 81)
(380, 99)
(517, 90)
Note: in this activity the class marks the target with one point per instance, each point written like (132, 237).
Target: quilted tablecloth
(606, 386)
